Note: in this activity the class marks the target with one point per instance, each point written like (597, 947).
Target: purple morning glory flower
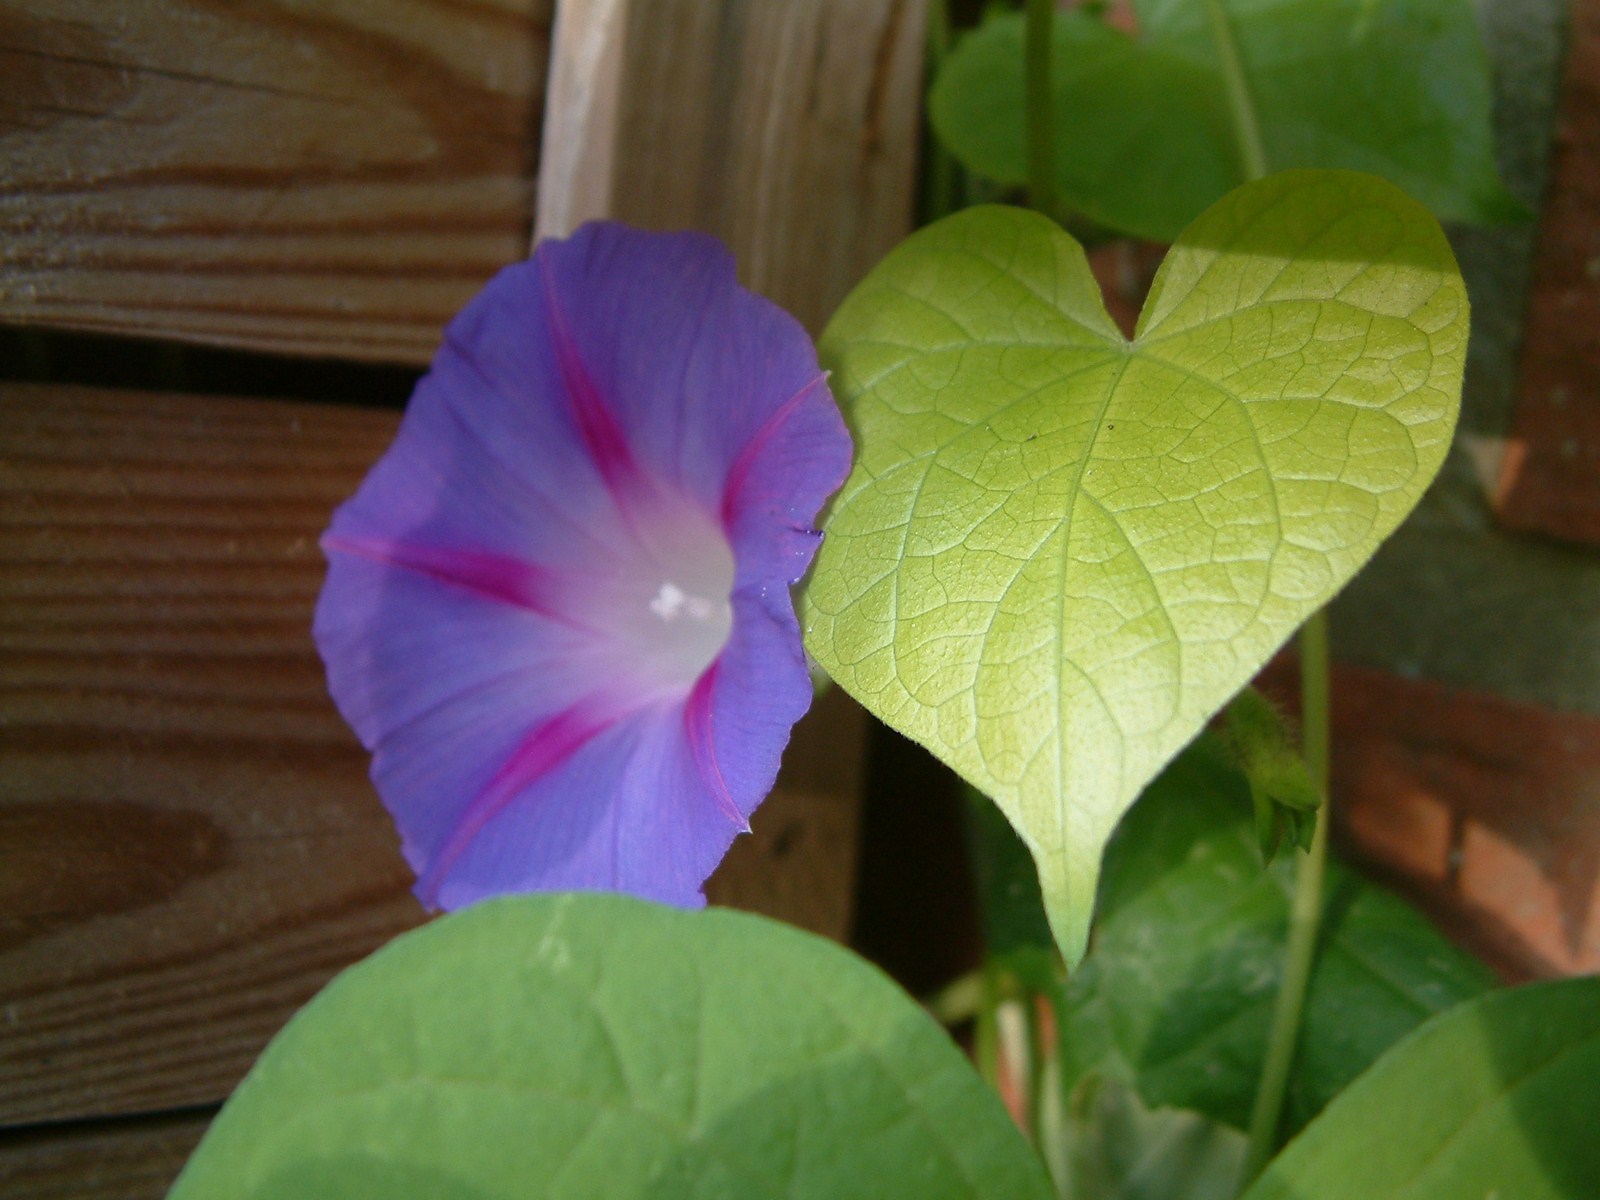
(558, 611)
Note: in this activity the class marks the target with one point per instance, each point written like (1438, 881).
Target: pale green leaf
(597, 1046)
(1059, 551)
(1009, 908)
(1144, 138)
(1497, 1098)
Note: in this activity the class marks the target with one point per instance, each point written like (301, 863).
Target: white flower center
(672, 613)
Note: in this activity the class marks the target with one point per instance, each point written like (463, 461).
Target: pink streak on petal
(493, 576)
(598, 427)
(697, 727)
(740, 471)
(546, 747)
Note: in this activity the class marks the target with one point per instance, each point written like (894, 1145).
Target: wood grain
(789, 131)
(122, 1160)
(333, 178)
(798, 863)
(189, 846)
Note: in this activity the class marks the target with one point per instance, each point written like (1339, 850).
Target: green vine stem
(1252, 155)
(939, 194)
(986, 1036)
(1305, 910)
(1041, 108)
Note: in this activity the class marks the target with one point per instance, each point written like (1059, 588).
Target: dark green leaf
(1498, 1098)
(1177, 992)
(1144, 139)
(597, 1046)
(1117, 1149)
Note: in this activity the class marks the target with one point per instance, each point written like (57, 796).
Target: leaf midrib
(1074, 491)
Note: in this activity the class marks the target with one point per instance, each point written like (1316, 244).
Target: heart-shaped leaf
(1144, 140)
(1061, 551)
(594, 1045)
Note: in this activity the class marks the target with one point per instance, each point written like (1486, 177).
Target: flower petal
(759, 688)
(722, 375)
(400, 643)
(645, 824)
(558, 610)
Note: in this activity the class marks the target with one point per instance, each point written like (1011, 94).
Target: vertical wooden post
(788, 128)
(580, 119)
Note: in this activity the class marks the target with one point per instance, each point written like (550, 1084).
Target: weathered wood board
(189, 846)
(790, 132)
(113, 1160)
(332, 178)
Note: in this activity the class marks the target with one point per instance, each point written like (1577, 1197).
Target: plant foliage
(1061, 550)
(1143, 135)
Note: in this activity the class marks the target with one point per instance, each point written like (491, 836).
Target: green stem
(986, 1037)
(939, 185)
(1056, 1150)
(1241, 105)
(1305, 910)
(1041, 108)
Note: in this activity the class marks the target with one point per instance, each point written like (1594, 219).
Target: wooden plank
(785, 127)
(332, 178)
(131, 1160)
(189, 847)
(1550, 478)
(788, 128)
(798, 864)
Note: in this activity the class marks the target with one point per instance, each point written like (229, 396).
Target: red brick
(1550, 478)
(1482, 810)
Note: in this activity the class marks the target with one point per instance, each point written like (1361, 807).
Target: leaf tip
(1069, 905)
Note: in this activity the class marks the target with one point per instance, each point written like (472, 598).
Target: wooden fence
(188, 844)
(189, 847)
